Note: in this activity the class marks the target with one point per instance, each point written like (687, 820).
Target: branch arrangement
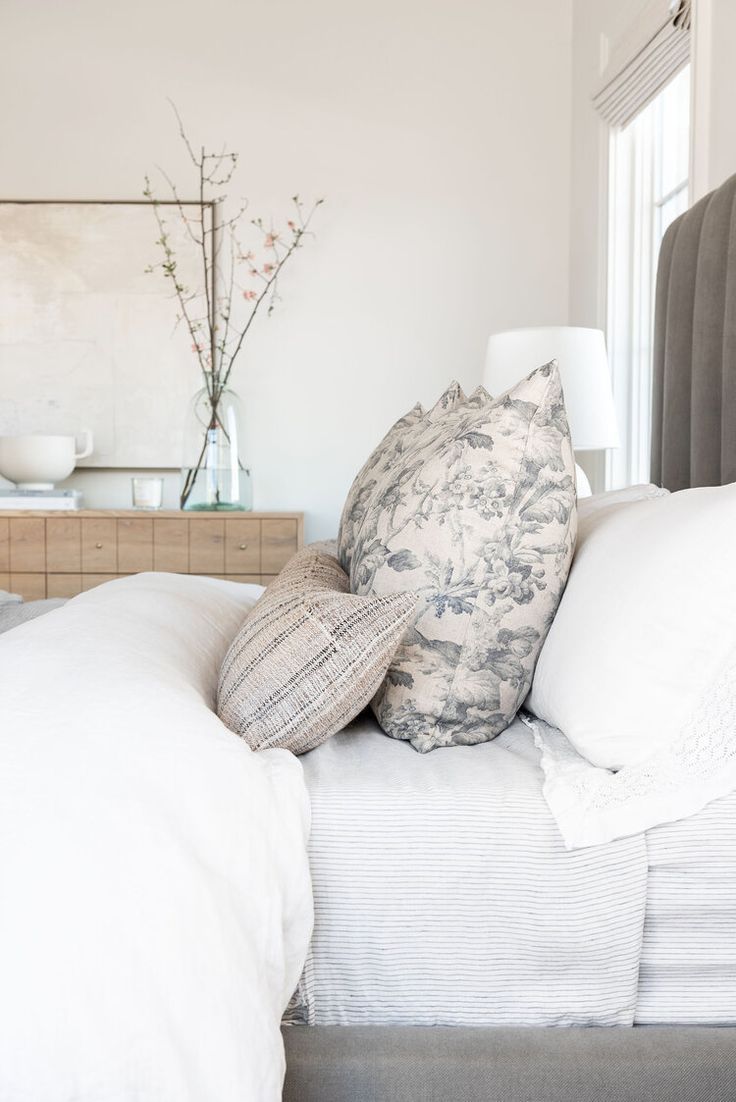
(229, 271)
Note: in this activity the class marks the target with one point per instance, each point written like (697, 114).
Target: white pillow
(646, 629)
(595, 502)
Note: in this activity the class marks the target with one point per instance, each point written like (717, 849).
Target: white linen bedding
(156, 903)
(444, 893)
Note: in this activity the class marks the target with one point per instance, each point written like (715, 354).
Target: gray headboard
(694, 384)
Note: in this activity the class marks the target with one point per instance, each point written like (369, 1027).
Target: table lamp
(586, 381)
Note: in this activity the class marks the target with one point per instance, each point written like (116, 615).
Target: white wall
(714, 94)
(438, 131)
(594, 21)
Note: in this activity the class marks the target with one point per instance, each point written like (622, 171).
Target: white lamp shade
(586, 382)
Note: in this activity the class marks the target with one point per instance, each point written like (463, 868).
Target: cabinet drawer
(62, 554)
(63, 545)
(242, 546)
(4, 544)
(279, 541)
(207, 546)
(32, 587)
(171, 545)
(99, 546)
(135, 545)
(63, 585)
(27, 545)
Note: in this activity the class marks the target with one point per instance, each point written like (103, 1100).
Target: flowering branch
(270, 272)
(210, 317)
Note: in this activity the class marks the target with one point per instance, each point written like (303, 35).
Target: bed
(673, 1007)
(159, 876)
(454, 932)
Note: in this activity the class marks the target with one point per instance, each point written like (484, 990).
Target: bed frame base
(442, 1064)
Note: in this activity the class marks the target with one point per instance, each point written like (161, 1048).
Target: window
(648, 189)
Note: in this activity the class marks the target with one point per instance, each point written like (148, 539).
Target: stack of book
(40, 499)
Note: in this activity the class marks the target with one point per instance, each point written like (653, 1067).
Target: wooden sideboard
(59, 554)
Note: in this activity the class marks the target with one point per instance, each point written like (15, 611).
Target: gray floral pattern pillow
(475, 513)
(404, 434)
(364, 484)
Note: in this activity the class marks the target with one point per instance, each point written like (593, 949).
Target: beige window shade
(653, 50)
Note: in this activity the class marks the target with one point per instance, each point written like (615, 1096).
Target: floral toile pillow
(377, 463)
(405, 434)
(476, 514)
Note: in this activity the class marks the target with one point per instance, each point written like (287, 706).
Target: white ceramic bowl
(37, 462)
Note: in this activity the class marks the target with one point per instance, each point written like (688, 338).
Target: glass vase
(214, 475)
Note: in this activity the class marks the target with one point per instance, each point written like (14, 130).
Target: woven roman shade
(652, 51)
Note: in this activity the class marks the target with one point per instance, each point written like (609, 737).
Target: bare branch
(180, 206)
(182, 132)
(216, 339)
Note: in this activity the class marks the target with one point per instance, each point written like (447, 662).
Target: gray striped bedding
(444, 895)
(688, 961)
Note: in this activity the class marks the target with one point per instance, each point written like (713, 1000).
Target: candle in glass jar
(148, 492)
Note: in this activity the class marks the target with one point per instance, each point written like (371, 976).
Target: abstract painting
(88, 337)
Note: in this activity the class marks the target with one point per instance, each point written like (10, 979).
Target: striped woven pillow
(309, 656)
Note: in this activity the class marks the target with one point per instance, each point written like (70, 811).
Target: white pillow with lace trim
(592, 806)
(644, 632)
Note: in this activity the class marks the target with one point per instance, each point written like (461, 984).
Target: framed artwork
(88, 337)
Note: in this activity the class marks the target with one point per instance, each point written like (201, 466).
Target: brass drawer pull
(243, 546)
(98, 546)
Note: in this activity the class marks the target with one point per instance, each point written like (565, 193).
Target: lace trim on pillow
(593, 805)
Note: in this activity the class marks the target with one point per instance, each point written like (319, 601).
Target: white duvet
(155, 902)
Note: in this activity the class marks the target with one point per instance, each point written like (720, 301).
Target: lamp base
(582, 483)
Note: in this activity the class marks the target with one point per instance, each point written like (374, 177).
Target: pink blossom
(271, 239)
(268, 268)
(291, 225)
(249, 295)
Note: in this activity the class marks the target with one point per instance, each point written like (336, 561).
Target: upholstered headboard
(694, 386)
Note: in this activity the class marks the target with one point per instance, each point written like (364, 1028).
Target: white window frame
(634, 235)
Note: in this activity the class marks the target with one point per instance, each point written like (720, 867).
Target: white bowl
(37, 462)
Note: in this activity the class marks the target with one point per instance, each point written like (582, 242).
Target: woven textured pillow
(477, 517)
(309, 656)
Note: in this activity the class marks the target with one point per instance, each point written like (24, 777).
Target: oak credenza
(59, 554)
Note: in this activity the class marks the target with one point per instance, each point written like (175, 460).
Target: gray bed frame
(693, 444)
(444, 1064)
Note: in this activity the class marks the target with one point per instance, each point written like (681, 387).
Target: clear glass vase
(214, 475)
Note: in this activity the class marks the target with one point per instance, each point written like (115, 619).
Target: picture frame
(89, 335)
